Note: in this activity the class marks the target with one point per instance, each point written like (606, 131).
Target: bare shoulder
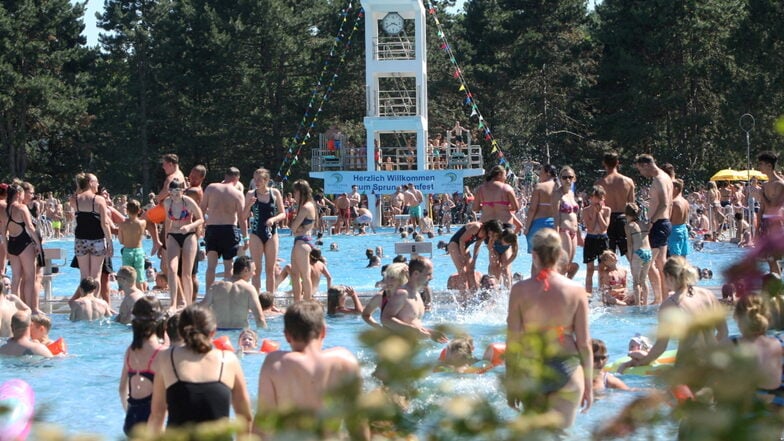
(342, 355)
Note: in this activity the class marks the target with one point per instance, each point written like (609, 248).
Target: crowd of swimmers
(172, 362)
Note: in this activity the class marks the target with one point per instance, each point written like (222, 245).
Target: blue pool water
(79, 392)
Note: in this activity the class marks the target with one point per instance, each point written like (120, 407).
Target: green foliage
(43, 87)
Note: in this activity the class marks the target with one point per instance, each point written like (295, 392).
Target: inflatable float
(666, 359)
(17, 397)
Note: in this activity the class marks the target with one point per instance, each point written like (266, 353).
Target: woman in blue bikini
(183, 219)
(265, 204)
(301, 227)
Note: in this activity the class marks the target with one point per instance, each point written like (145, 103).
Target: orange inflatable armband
(156, 214)
(495, 353)
(268, 346)
(682, 393)
(58, 347)
(442, 356)
(223, 343)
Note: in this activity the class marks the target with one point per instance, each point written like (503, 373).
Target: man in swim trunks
(620, 191)
(354, 199)
(195, 192)
(231, 299)
(9, 305)
(302, 378)
(405, 308)
(659, 210)
(21, 344)
(364, 216)
(772, 216)
(343, 223)
(678, 243)
(223, 205)
(413, 200)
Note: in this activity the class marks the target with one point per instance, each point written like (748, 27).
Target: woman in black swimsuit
(183, 219)
(23, 246)
(92, 235)
(137, 375)
(265, 204)
(195, 382)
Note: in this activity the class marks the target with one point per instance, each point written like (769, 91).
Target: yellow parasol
(745, 174)
(728, 174)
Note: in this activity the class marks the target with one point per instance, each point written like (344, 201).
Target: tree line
(228, 83)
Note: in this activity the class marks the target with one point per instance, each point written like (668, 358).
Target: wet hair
(240, 264)
(509, 237)
(334, 293)
(492, 226)
(176, 184)
(304, 321)
(172, 325)
(148, 319)
(250, 332)
(171, 158)
(133, 206)
(20, 320)
(267, 300)
(128, 272)
(598, 346)
(88, 285)
(644, 159)
(400, 259)
(197, 324)
(397, 271)
(751, 313)
(305, 192)
(374, 261)
(495, 172)
(42, 319)
(484, 282)
(459, 351)
(632, 210)
(547, 245)
(681, 272)
(611, 159)
(417, 263)
(369, 252)
(768, 157)
(728, 291)
(315, 256)
(598, 191)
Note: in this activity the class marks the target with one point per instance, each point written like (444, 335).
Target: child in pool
(40, 325)
(612, 280)
(502, 253)
(248, 342)
(640, 255)
(603, 380)
(639, 346)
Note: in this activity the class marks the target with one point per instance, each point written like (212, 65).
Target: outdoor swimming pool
(80, 392)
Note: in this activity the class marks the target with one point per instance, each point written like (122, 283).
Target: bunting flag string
(470, 99)
(321, 91)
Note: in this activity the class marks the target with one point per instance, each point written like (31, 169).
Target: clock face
(392, 23)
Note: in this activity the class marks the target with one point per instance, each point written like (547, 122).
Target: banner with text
(385, 182)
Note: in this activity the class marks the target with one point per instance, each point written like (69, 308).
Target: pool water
(80, 392)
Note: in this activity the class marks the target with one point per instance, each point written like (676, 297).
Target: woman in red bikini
(496, 199)
(549, 303)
